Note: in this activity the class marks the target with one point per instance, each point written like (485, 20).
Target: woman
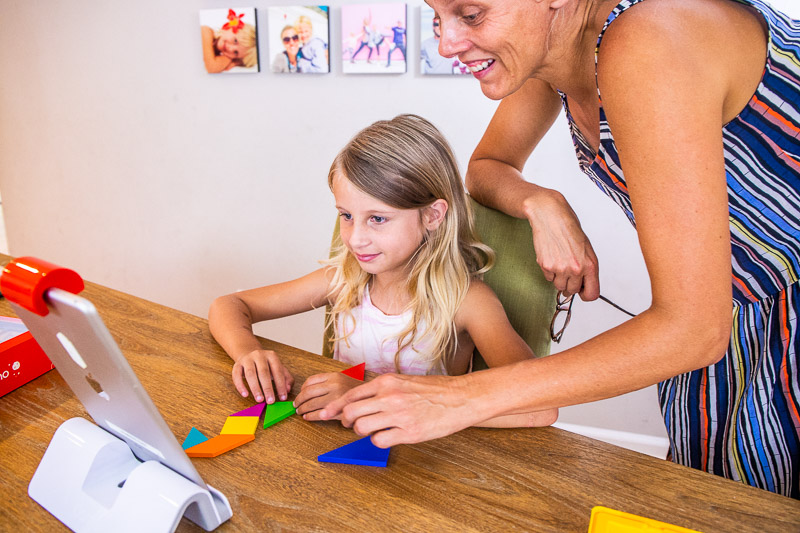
(287, 60)
(671, 92)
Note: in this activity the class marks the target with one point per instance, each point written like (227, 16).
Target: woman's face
(291, 41)
(228, 45)
(502, 41)
(304, 31)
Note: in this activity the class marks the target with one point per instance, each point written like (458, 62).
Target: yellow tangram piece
(605, 520)
(240, 425)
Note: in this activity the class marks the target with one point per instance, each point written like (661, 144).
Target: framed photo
(430, 60)
(374, 39)
(298, 39)
(230, 40)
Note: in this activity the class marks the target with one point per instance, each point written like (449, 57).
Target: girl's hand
(260, 368)
(563, 250)
(399, 409)
(321, 389)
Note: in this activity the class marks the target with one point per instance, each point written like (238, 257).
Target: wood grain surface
(541, 479)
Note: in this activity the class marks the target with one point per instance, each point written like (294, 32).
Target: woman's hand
(320, 390)
(563, 250)
(398, 409)
(260, 368)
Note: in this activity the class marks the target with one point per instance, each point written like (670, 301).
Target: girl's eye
(379, 220)
(346, 216)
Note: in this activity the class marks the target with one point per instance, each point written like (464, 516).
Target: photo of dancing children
(374, 39)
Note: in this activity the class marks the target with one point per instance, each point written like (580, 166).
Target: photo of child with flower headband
(233, 46)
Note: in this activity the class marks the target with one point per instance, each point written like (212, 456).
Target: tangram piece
(356, 372)
(360, 452)
(276, 412)
(218, 445)
(193, 438)
(605, 520)
(253, 410)
(240, 425)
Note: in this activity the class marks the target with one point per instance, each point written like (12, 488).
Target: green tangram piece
(276, 412)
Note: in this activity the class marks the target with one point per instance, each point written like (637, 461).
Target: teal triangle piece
(253, 410)
(193, 438)
(278, 411)
(360, 452)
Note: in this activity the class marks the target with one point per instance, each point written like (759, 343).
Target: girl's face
(291, 41)
(502, 42)
(382, 238)
(304, 30)
(228, 45)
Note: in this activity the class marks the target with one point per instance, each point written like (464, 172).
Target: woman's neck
(569, 64)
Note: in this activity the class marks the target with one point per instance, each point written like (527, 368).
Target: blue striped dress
(740, 418)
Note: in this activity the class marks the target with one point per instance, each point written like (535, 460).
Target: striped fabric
(740, 418)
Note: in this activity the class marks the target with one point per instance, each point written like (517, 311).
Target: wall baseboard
(647, 444)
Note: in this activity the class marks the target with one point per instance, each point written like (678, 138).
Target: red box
(21, 358)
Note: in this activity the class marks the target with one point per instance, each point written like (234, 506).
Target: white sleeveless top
(374, 340)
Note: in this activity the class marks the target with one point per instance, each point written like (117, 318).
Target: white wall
(120, 157)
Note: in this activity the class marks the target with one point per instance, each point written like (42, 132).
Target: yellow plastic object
(605, 520)
(240, 425)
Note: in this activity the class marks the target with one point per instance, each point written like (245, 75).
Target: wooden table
(541, 479)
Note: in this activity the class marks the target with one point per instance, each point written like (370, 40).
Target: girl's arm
(231, 318)
(482, 316)
(665, 98)
(212, 61)
(494, 178)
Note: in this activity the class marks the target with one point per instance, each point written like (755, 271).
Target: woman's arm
(494, 178)
(664, 95)
(231, 318)
(213, 62)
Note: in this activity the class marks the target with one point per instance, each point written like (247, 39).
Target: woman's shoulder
(686, 45)
(699, 24)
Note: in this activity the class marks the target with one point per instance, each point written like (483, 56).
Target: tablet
(77, 342)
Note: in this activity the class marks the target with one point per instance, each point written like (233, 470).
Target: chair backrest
(528, 298)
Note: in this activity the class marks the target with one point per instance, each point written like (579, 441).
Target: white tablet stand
(91, 481)
(128, 473)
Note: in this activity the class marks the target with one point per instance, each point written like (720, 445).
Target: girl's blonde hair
(407, 163)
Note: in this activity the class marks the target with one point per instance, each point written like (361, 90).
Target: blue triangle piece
(360, 452)
(193, 438)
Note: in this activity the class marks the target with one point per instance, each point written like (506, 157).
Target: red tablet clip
(26, 279)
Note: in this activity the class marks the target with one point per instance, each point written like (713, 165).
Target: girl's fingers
(238, 382)
(278, 376)
(261, 378)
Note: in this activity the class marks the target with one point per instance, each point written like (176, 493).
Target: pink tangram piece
(356, 372)
(253, 410)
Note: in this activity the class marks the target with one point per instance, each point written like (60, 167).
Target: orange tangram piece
(218, 445)
(356, 372)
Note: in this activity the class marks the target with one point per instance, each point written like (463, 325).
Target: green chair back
(528, 298)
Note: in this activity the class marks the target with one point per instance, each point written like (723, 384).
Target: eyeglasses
(564, 312)
(292, 38)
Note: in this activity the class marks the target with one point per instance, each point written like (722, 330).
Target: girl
(233, 45)
(404, 285)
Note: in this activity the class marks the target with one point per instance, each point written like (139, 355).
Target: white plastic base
(91, 481)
